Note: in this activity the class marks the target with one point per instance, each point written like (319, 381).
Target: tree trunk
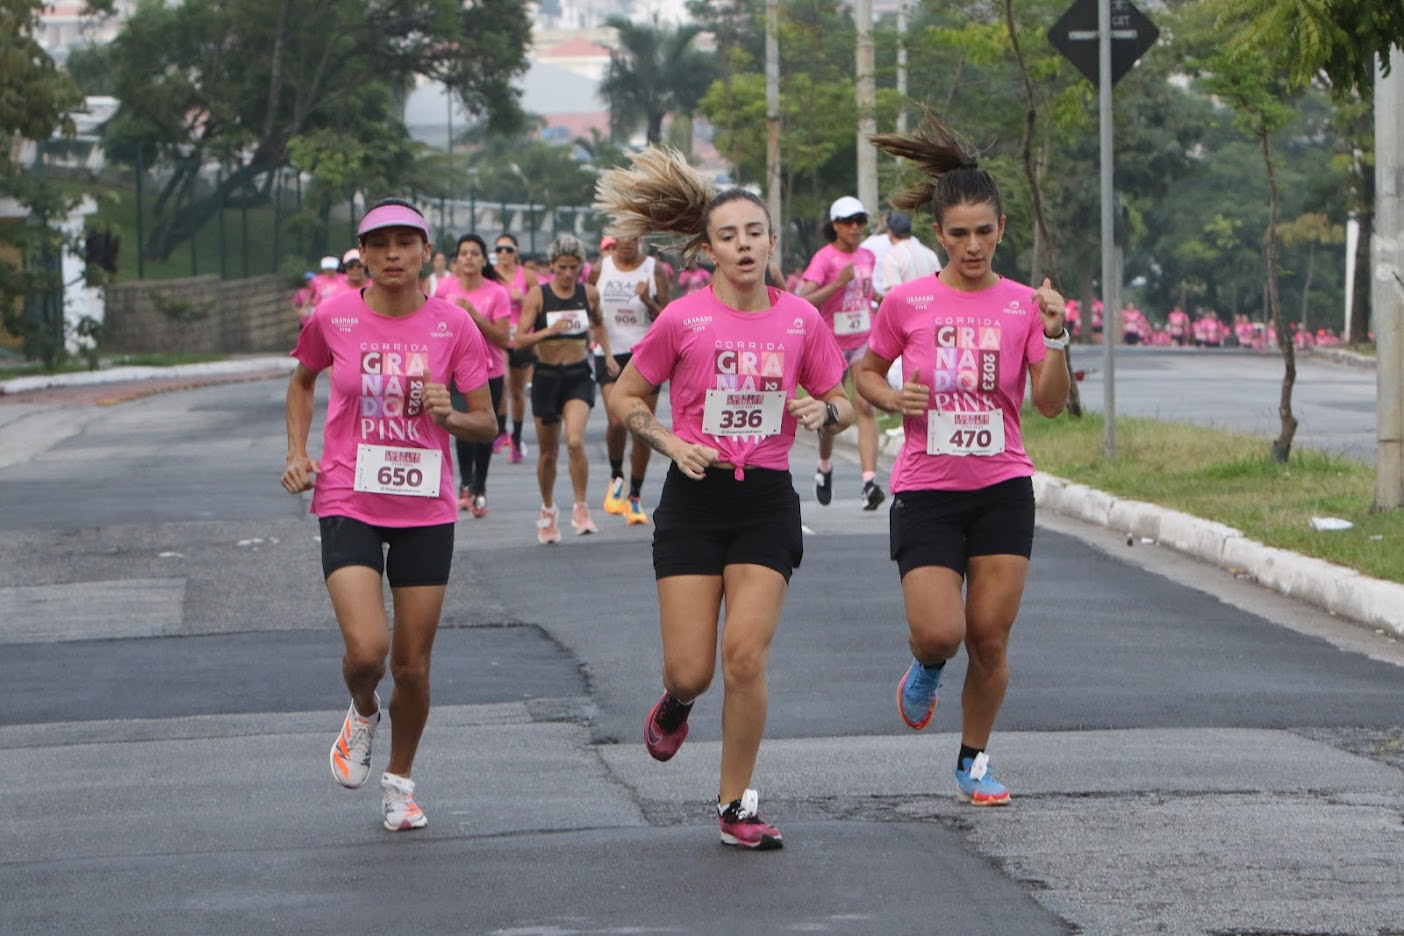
(1043, 244)
(1360, 300)
(1282, 445)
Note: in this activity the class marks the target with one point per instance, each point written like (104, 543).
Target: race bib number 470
(954, 433)
(743, 412)
(382, 469)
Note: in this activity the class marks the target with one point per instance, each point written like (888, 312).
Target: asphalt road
(1189, 754)
(1238, 391)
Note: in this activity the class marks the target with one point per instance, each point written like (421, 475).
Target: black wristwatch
(832, 418)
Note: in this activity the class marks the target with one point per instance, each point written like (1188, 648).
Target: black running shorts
(602, 375)
(518, 360)
(554, 385)
(701, 527)
(416, 555)
(946, 528)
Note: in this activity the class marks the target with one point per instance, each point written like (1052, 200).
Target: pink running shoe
(465, 499)
(661, 744)
(546, 530)
(479, 508)
(743, 827)
(502, 443)
(580, 519)
(516, 456)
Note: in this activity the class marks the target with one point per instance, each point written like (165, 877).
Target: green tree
(252, 86)
(1247, 78)
(655, 72)
(1311, 230)
(1341, 38)
(34, 106)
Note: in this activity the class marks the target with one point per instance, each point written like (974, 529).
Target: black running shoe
(824, 486)
(872, 495)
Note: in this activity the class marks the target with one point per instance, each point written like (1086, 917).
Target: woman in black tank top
(560, 317)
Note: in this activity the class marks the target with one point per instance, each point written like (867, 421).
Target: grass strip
(1231, 479)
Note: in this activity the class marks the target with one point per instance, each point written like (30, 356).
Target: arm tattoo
(643, 424)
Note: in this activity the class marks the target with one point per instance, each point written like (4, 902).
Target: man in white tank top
(633, 290)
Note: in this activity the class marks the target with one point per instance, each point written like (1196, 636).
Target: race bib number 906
(382, 469)
(954, 433)
(743, 412)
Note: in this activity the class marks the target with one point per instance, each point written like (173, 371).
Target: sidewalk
(1338, 590)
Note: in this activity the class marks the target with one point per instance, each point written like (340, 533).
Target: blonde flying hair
(950, 164)
(662, 197)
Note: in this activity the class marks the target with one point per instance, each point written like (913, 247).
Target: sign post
(1103, 39)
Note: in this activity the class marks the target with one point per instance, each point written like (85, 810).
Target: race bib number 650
(954, 433)
(382, 469)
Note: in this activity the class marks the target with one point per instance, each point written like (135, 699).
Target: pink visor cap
(392, 216)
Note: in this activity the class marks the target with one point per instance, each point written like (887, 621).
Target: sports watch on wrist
(833, 416)
(1058, 342)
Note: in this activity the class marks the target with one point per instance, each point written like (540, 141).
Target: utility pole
(1387, 286)
(772, 119)
(866, 98)
(902, 66)
(1110, 274)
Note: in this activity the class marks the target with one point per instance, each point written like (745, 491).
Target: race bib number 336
(382, 469)
(954, 433)
(743, 412)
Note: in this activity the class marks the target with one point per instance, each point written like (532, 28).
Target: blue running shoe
(916, 694)
(977, 786)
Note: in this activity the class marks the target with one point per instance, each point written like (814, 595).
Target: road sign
(1075, 35)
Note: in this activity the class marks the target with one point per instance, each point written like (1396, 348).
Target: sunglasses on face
(855, 219)
(504, 248)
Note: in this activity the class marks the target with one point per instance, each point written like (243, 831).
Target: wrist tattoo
(642, 423)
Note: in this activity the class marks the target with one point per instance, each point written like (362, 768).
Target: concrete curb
(1342, 356)
(1336, 589)
(118, 374)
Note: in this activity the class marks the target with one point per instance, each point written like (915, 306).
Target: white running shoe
(397, 804)
(351, 754)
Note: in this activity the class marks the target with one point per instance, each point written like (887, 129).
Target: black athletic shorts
(416, 555)
(602, 375)
(520, 359)
(701, 527)
(946, 528)
(553, 385)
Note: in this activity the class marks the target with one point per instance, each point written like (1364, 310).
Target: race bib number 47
(743, 412)
(852, 323)
(954, 433)
(413, 472)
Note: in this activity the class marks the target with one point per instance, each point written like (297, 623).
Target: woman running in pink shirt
(839, 281)
(385, 478)
(727, 525)
(962, 508)
(474, 286)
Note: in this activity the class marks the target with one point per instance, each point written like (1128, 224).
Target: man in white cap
(906, 260)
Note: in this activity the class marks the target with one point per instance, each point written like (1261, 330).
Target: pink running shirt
(700, 344)
(492, 302)
(377, 364)
(974, 350)
(854, 300)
